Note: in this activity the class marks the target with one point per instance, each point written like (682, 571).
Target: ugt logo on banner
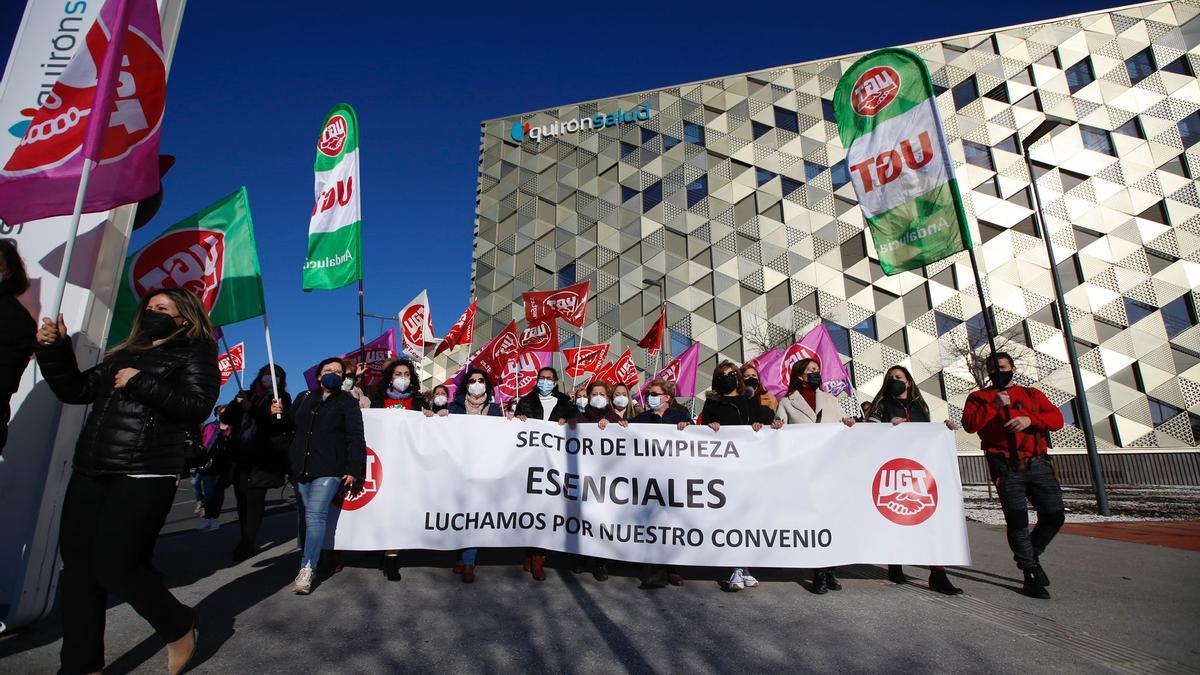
(191, 259)
(904, 492)
(372, 482)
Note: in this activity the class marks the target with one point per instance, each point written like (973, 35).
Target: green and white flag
(898, 160)
(335, 229)
(211, 253)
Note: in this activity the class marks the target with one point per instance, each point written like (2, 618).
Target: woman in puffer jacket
(148, 398)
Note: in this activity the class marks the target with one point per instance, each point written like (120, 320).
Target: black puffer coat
(146, 427)
(17, 329)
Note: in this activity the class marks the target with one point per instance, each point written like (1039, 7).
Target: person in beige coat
(805, 403)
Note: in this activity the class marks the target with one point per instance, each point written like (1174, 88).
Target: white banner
(803, 496)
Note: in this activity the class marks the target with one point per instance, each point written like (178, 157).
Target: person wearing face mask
(806, 403)
(660, 395)
(399, 387)
(439, 401)
(327, 455)
(17, 329)
(1013, 422)
(597, 410)
(148, 398)
(581, 402)
(548, 404)
(622, 404)
(899, 401)
(473, 398)
(259, 455)
(350, 383)
(755, 389)
(725, 405)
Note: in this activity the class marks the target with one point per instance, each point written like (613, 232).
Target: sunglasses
(474, 381)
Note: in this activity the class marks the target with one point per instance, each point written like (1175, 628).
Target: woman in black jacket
(148, 398)
(327, 454)
(259, 462)
(17, 329)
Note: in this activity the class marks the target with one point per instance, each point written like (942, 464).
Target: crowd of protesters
(151, 393)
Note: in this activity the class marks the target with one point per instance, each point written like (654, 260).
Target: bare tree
(757, 335)
(968, 353)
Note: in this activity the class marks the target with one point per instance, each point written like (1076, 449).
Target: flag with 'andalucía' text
(898, 160)
(335, 227)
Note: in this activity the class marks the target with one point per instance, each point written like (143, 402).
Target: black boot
(600, 572)
(820, 585)
(831, 579)
(938, 581)
(391, 567)
(1040, 575)
(1033, 588)
(896, 574)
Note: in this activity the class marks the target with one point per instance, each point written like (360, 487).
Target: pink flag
(112, 85)
(681, 370)
(378, 352)
(816, 344)
(769, 373)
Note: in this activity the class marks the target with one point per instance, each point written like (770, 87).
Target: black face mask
(157, 325)
(725, 383)
(1000, 378)
(813, 380)
(895, 388)
(752, 383)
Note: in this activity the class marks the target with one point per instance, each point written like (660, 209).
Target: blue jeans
(313, 506)
(468, 555)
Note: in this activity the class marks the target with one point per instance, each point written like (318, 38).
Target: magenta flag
(769, 373)
(116, 83)
(817, 344)
(681, 370)
(377, 353)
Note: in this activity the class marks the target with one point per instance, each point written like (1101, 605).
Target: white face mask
(654, 401)
(400, 383)
(581, 403)
(599, 401)
(439, 400)
(476, 388)
(620, 401)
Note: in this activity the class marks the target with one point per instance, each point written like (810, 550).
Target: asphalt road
(1117, 606)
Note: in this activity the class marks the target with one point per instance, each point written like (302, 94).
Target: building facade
(735, 192)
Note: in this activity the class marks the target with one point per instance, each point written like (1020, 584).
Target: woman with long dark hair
(17, 329)
(899, 400)
(475, 397)
(399, 387)
(259, 459)
(148, 398)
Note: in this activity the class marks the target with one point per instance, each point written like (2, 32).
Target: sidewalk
(1117, 606)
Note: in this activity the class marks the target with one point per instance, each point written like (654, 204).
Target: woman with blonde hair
(148, 398)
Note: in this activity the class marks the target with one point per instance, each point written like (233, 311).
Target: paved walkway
(1184, 534)
(1117, 606)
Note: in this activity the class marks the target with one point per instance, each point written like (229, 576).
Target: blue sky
(252, 81)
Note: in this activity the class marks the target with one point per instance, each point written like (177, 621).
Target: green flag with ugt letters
(335, 227)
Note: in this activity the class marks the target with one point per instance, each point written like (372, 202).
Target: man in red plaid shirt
(1012, 422)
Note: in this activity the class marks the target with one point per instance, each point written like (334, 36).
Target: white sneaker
(303, 583)
(749, 580)
(736, 581)
(214, 524)
(202, 525)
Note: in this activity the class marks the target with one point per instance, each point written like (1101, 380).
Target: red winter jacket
(985, 415)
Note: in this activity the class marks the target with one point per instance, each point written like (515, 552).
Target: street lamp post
(1085, 416)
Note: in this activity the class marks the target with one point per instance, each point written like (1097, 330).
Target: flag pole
(989, 320)
(64, 269)
(236, 376)
(362, 333)
(271, 361)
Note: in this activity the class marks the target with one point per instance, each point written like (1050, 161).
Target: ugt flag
(681, 370)
(211, 253)
(898, 160)
(462, 332)
(335, 228)
(232, 361)
(107, 106)
(817, 344)
(375, 355)
(568, 304)
(416, 325)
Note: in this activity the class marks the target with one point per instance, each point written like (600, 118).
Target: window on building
(945, 323)
(1080, 75)
(789, 185)
(841, 337)
(1070, 419)
(1140, 66)
(762, 176)
(787, 120)
(1179, 66)
(567, 343)
(758, 130)
(1195, 421)
(697, 190)
(977, 332)
(1096, 140)
(647, 135)
(979, 155)
(1008, 144)
(839, 174)
(999, 93)
(964, 93)
(693, 133)
(652, 196)
(669, 142)
(1179, 315)
(679, 342)
(827, 110)
(1161, 412)
(867, 327)
(1137, 310)
(1131, 128)
(566, 275)
(627, 193)
(1189, 129)
(627, 149)
(1030, 102)
(811, 171)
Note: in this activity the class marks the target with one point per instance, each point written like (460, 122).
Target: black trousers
(214, 503)
(109, 525)
(1038, 486)
(251, 504)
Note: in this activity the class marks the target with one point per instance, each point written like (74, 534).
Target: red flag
(624, 371)
(654, 337)
(462, 332)
(495, 355)
(568, 304)
(602, 373)
(584, 360)
(234, 359)
(540, 336)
